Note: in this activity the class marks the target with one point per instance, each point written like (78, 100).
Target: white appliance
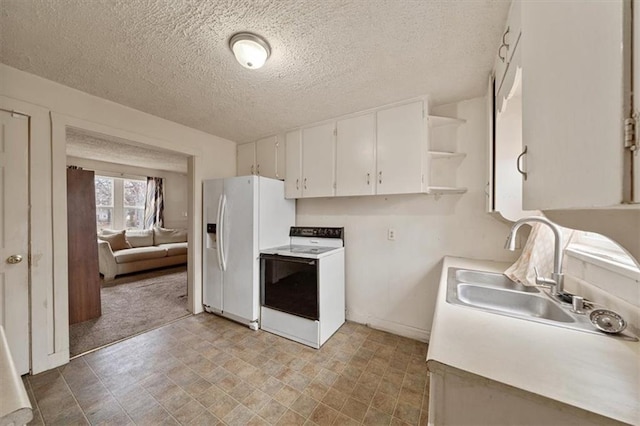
(241, 216)
(302, 286)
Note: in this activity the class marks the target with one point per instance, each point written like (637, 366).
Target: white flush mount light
(250, 50)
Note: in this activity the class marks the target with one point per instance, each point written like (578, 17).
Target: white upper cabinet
(270, 158)
(381, 151)
(401, 149)
(264, 157)
(293, 157)
(246, 159)
(507, 62)
(318, 161)
(356, 155)
(575, 99)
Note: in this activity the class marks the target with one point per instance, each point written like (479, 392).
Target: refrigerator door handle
(219, 233)
(223, 257)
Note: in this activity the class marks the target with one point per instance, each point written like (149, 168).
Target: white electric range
(302, 285)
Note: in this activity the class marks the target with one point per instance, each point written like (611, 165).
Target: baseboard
(390, 326)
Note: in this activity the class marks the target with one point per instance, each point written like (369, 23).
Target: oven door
(289, 284)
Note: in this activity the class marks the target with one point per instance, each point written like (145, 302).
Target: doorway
(148, 292)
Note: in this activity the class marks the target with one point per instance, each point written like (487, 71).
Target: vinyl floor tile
(205, 370)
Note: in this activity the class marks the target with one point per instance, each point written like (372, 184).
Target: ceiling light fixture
(250, 50)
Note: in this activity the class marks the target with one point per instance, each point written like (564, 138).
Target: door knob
(14, 258)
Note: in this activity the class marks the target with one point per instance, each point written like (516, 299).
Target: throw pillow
(166, 236)
(116, 241)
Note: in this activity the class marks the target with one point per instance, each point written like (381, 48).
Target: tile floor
(205, 370)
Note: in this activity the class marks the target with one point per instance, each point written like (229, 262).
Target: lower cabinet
(487, 402)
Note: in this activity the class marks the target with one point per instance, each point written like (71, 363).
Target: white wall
(392, 285)
(52, 107)
(175, 186)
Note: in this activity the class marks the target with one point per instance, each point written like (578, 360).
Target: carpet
(132, 304)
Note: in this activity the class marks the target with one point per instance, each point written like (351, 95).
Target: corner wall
(392, 285)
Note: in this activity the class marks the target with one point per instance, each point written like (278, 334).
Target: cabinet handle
(252, 169)
(258, 169)
(502, 58)
(505, 45)
(298, 183)
(305, 183)
(379, 177)
(504, 41)
(522, 172)
(368, 178)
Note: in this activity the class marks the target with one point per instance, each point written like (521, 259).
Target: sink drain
(607, 321)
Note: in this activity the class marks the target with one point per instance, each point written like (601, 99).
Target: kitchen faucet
(556, 282)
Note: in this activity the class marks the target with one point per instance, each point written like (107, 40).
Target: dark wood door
(84, 278)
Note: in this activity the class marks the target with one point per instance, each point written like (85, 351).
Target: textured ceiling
(170, 58)
(95, 146)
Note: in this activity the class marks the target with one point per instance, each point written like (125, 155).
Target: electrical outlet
(391, 234)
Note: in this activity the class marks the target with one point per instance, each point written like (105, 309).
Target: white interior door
(14, 231)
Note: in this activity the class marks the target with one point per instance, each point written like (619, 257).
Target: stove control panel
(317, 232)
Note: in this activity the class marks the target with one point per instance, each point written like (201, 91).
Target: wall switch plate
(391, 234)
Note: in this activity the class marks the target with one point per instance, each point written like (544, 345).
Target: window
(104, 202)
(598, 249)
(120, 202)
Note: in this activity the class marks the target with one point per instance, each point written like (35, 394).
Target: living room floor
(206, 370)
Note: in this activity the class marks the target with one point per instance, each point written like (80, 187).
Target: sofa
(125, 251)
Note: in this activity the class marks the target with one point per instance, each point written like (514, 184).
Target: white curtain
(154, 204)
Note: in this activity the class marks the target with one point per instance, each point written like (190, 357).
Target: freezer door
(211, 270)
(240, 249)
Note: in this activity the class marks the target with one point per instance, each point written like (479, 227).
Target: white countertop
(597, 373)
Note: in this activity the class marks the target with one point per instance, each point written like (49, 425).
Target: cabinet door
(514, 27)
(400, 149)
(355, 156)
(246, 159)
(575, 98)
(318, 161)
(267, 157)
(508, 44)
(293, 155)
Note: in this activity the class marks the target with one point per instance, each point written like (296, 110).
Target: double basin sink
(498, 294)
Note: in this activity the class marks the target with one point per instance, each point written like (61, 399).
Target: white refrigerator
(242, 215)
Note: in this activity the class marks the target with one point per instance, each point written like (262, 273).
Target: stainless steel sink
(496, 293)
(511, 302)
(491, 279)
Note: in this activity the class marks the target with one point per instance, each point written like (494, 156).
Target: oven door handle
(282, 258)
